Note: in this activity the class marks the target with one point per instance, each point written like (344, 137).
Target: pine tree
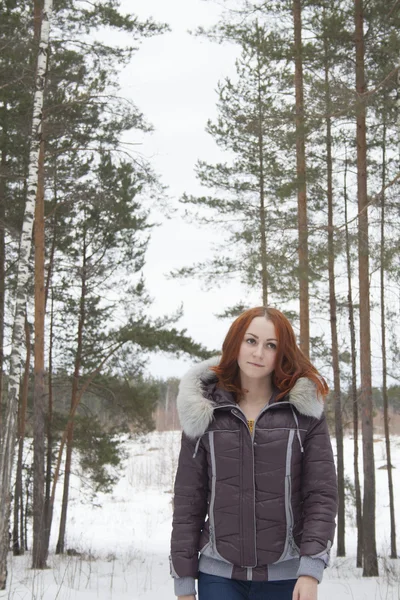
(250, 205)
(301, 181)
(330, 49)
(382, 59)
(369, 541)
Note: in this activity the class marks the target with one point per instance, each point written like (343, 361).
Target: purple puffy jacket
(258, 506)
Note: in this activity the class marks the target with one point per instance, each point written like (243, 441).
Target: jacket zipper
(235, 410)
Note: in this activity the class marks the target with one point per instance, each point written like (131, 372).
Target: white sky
(173, 79)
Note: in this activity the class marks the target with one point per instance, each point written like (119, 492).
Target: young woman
(255, 491)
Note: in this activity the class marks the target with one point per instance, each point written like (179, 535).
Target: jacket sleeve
(190, 509)
(320, 500)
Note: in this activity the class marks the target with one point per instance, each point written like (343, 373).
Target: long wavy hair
(290, 364)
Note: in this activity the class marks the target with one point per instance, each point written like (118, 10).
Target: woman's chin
(255, 372)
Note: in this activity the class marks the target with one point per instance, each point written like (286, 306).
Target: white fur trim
(304, 397)
(196, 412)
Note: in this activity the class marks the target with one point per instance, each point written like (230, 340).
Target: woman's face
(258, 349)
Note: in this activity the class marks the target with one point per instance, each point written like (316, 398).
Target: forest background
(301, 205)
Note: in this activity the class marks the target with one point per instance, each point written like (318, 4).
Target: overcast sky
(173, 79)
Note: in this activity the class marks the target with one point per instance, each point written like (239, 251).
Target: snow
(123, 538)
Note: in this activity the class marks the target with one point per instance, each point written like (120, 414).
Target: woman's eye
(272, 345)
(250, 340)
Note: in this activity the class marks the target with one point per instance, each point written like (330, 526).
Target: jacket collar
(198, 396)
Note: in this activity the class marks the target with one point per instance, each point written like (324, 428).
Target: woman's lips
(255, 364)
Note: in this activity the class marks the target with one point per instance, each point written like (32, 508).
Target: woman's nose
(258, 350)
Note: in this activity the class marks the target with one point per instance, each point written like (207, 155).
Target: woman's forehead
(262, 328)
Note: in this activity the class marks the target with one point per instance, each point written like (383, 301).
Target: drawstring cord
(196, 447)
(298, 432)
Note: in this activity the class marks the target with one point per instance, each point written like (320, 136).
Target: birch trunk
(2, 278)
(10, 424)
(301, 183)
(3, 188)
(370, 566)
(18, 531)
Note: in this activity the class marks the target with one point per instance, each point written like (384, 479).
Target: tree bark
(48, 507)
(10, 425)
(370, 566)
(393, 547)
(301, 183)
(341, 549)
(18, 531)
(48, 514)
(39, 555)
(60, 548)
(54, 235)
(3, 189)
(26, 516)
(353, 392)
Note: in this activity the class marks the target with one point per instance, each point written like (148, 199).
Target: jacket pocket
(205, 540)
(290, 548)
(292, 542)
(172, 571)
(205, 547)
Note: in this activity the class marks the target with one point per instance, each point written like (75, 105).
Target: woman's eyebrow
(267, 340)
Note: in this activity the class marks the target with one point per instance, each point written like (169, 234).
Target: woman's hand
(306, 588)
(187, 597)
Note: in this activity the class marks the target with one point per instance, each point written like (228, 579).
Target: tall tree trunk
(48, 515)
(261, 181)
(353, 392)
(22, 524)
(393, 548)
(341, 551)
(39, 555)
(18, 532)
(27, 509)
(48, 506)
(301, 183)
(370, 566)
(3, 191)
(71, 416)
(10, 425)
(60, 548)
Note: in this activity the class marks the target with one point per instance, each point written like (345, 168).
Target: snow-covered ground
(123, 538)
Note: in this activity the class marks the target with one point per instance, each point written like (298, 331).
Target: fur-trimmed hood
(196, 410)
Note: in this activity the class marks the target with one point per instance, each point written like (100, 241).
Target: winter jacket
(258, 506)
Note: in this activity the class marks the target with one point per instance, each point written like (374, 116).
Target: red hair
(290, 365)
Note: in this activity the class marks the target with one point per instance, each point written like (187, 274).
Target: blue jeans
(211, 587)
